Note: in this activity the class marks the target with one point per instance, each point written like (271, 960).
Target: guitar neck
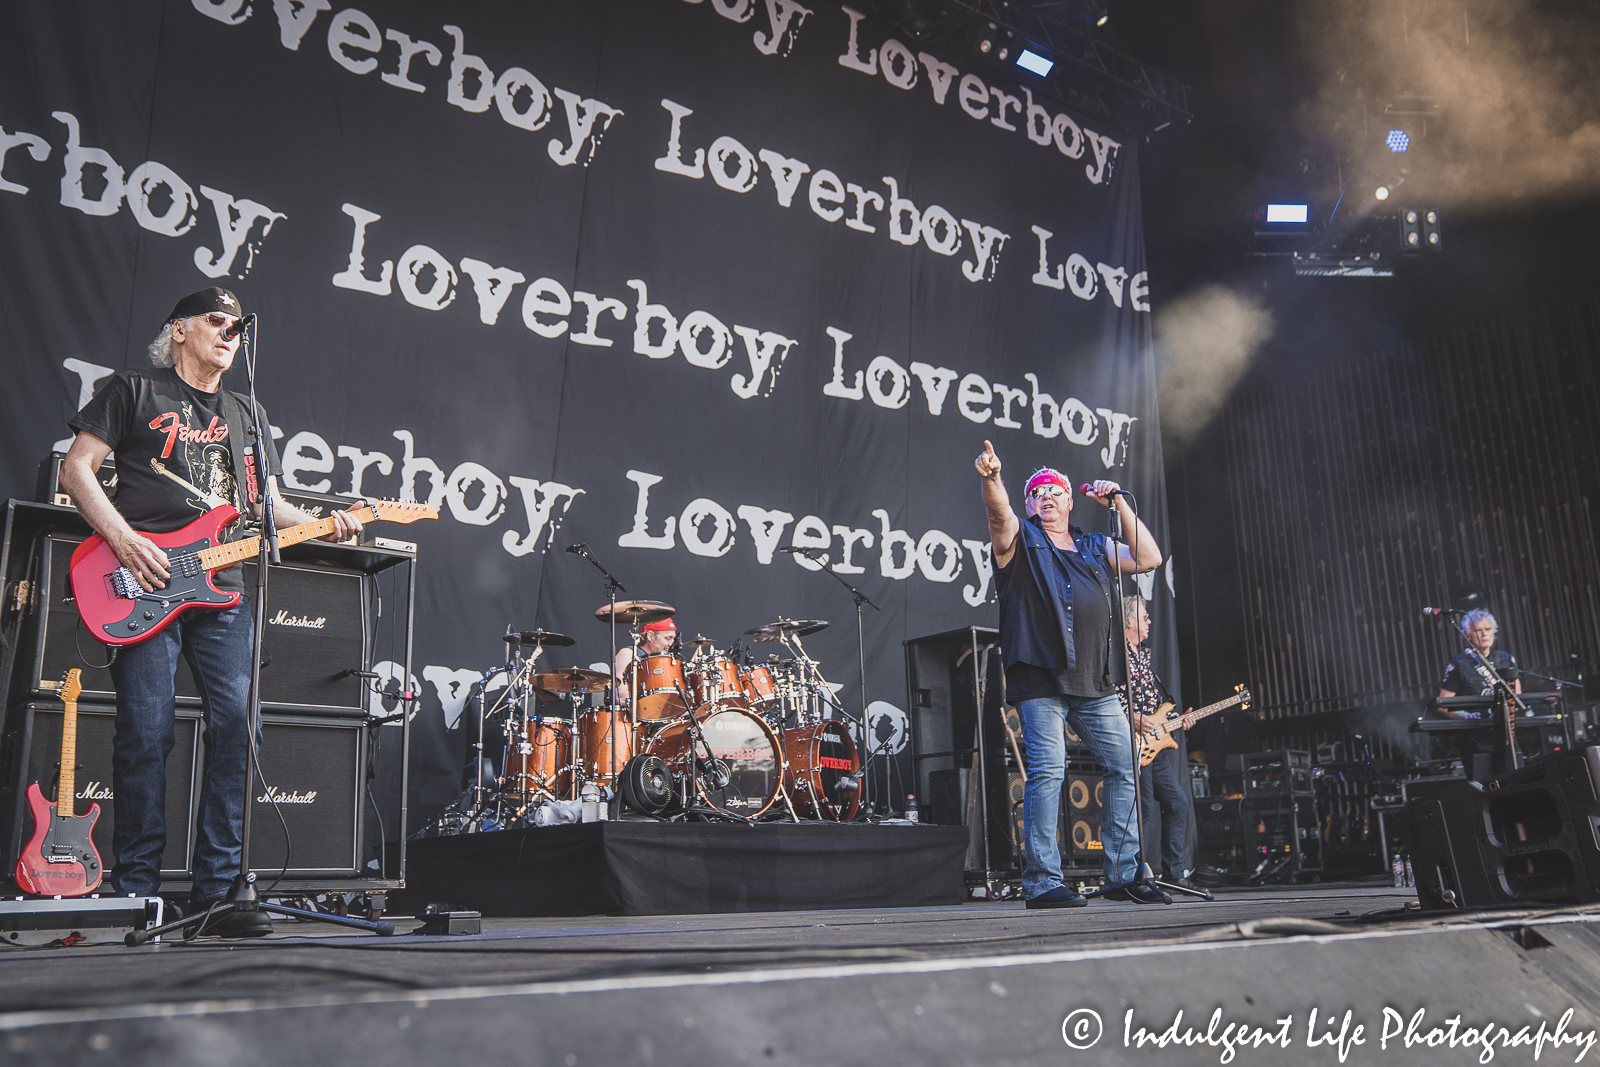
(67, 791)
(231, 552)
(1212, 709)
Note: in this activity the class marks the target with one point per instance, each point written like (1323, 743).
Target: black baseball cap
(206, 301)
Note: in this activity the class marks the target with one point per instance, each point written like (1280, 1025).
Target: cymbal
(777, 631)
(636, 611)
(700, 641)
(571, 680)
(540, 637)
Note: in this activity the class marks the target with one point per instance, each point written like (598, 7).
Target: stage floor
(982, 982)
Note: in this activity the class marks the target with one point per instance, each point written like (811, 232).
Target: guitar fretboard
(232, 552)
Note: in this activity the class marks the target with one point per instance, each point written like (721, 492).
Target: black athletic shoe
(1137, 893)
(230, 924)
(1059, 897)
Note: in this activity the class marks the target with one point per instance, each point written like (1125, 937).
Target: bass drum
(743, 743)
(821, 756)
(658, 680)
(540, 762)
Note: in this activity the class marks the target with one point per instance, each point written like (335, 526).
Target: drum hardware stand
(242, 896)
(861, 655)
(613, 587)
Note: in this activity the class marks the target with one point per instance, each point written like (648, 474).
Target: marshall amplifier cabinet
(49, 489)
(316, 631)
(31, 749)
(310, 776)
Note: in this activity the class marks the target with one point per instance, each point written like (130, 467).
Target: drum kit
(718, 735)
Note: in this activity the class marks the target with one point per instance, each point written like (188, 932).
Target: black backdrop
(466, 272)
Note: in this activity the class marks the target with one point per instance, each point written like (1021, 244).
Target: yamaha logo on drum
(300, 622)
(278, 796)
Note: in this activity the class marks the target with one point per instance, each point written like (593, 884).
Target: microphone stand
(242, 896)
(613, 587)
(861, 655)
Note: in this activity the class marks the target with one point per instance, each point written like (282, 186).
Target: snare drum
(760, 688)
(605, 739)
(741, 741)
(540, 762)
(716, 680)
(820, 756)
(657, 680)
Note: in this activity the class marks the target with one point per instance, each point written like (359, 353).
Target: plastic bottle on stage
(1399, 871)
(911, 808)
(591, 802)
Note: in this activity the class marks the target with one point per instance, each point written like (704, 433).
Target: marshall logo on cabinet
(283, 618)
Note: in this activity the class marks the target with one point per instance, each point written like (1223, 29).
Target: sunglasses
(219, 321)
(1046, 490)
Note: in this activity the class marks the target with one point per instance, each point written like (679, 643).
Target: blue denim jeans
(1104, 728)
(217, 646)
(1160, 785)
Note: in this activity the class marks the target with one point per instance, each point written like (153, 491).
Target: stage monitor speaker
(1528, 835)
(311, 767)
(316, 629)
(32, 748)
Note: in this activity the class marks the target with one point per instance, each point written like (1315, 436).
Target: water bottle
(1398, 869)
(911, 808)
(591, 802)
(1410, 878)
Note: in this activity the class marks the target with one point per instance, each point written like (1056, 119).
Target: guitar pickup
(60, 854)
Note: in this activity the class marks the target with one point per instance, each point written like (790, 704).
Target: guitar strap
(241, 431)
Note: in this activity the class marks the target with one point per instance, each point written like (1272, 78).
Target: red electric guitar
(119, 612)
(60, 858)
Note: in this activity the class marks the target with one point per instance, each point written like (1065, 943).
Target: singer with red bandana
(1056, 586)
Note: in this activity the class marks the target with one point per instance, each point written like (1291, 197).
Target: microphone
(1087, 489)
(238, 327)
(358, 674)
(792, 549)
(578, 550)
(1429, 612)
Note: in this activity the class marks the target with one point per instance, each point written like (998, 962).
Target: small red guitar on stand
(60, 858)
(119, 612)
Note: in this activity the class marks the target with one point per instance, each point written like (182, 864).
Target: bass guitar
(60, 858)
(119, 612)
(1152, 741)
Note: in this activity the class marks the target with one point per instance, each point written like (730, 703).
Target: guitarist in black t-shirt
(175, 431)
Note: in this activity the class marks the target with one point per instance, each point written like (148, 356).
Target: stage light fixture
(1398, 141)
(1288, 212)
(1031, 60)
(1102, 20)
(1381, 192)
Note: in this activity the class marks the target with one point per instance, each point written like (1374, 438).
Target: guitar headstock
(402, 511)
(71, 686)
(1244, 696)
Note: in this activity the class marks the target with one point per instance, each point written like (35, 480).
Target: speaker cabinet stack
(315, 827)
(1526, 836)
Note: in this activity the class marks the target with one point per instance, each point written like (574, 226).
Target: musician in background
(655, 639)
(1056, 585)
(174, 431)
(1160, 783)
(1465, 675)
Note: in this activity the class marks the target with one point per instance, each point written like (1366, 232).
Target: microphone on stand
(358, 674)
(792, 549)
(578, 549)
(1087, 489)
(238, 327)
(1429, 612)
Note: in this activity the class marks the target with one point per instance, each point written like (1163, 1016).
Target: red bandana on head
(1046, 476)
(664, 624)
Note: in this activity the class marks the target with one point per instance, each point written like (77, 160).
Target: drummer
(655, 639)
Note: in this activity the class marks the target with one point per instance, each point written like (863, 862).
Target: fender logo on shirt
(171, 424)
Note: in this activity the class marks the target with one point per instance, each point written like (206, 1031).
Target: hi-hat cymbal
(700, 641)
(630, 612)
(571, 680)
(777, 631)
(540, 636)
